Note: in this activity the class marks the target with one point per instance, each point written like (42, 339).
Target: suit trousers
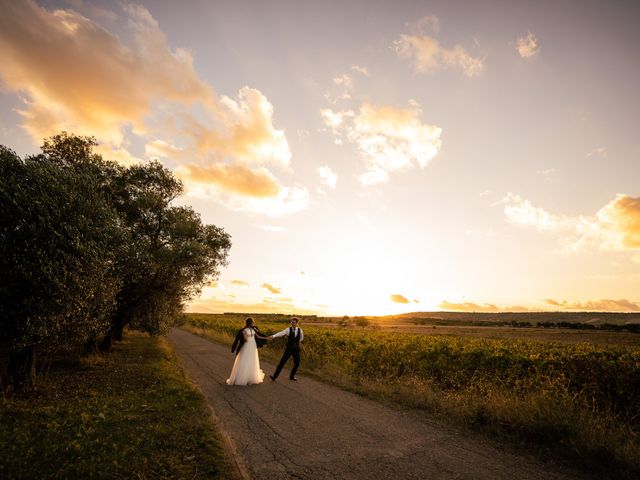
(289, 352)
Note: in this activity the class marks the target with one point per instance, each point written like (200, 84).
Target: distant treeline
(492, 318)
(629, 327)
(88, 247)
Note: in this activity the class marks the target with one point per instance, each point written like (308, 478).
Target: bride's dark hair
(248, 322)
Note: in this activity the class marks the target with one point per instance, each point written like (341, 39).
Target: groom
(294, 339)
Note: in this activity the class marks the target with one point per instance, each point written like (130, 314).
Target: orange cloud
(264, 306)
(527, 46)
(397, 298)
(621, 217)
(427, 55)
(606, 305)
(232, 178)
(242, 283)
(615, 227)
(73, 74)
(247, 132)
(271, 288)
(77, 76)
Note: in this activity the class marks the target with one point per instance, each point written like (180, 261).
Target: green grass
(127, 414)
(578, 403)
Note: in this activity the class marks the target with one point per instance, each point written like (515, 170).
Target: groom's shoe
(273, 379)
(293, 379)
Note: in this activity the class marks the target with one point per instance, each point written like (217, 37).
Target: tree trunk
(117, 333)
(91, 346)
(22, 368)
(106, 343)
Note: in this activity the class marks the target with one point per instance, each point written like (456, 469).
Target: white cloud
(388, 138)
(344, 80)
(273, 228)
(600, 152)
(615, 227)
(360, 69)
(547, 172)
(342, 89)
(328, 176)
(289, 200)
(527, 46)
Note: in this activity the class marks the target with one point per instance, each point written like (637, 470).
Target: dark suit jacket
(239, 340)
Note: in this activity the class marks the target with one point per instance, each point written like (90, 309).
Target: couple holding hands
(246, 368)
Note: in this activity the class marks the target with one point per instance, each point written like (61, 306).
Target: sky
(367, 157)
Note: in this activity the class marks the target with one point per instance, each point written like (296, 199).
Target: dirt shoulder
(308, 429)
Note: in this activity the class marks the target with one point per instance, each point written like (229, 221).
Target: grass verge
(127, 414)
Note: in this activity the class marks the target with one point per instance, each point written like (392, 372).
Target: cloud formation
(232, 178)
(427, 55)
(273, 228)
(73, 74)
(474, 307)
(360, 69)
(388, 138)
(77, 76)
(397, 298)
(615, 227)
(328, 176)
(527, 46)
(600, 152)
(271, 288)
(241, 283)
(267, 305)
(605, 305)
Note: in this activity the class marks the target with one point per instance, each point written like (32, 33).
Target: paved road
(310, 430)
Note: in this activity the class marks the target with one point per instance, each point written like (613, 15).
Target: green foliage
(170, 253)
(131, 414)
(88, 246)
(56, 231)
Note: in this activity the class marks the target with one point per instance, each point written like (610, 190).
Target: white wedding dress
(246, 368)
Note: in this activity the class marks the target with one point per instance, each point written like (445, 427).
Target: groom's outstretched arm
(283, 333)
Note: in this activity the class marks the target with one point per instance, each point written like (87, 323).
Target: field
(578, 401)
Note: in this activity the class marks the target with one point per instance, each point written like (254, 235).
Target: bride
(246, 368)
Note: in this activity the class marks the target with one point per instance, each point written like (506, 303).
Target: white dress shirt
(286, 331)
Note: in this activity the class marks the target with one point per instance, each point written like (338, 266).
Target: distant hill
(595, 318)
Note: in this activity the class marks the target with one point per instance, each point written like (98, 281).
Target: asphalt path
(311, 430)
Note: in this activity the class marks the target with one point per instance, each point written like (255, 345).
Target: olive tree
(170, 253)
(57, 261)
(88, 247)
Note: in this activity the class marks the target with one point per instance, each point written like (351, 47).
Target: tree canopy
(88, 246)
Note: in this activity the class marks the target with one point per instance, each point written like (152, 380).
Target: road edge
(238, 469)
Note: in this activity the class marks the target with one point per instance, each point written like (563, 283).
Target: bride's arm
(259, 334)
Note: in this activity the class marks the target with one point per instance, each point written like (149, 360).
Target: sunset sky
(367, 157)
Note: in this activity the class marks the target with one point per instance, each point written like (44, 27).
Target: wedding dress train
(246, 368)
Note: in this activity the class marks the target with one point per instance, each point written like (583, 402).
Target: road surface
(311, 430)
